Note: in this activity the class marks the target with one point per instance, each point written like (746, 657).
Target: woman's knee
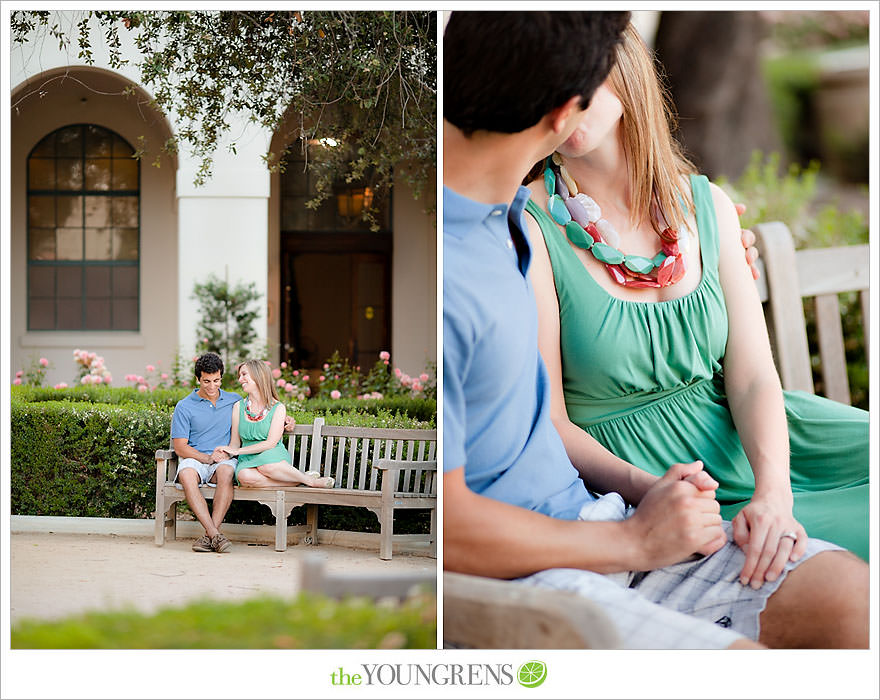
(247, 477)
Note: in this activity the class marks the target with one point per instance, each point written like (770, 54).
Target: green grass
(306, 622)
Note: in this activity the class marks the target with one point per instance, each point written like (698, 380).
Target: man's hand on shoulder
(677, 517)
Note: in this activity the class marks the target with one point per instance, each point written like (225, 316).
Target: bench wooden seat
(381, 469)
(482, 612)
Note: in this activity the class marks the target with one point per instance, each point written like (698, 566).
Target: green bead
(606, 254)
(558, 210)
(550, 181)
(658, 259)
(578, 236)
(639, 264)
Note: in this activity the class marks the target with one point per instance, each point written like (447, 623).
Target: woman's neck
(256, 400)
(602, 175)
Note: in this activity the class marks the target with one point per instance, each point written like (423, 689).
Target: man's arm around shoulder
(485, 537)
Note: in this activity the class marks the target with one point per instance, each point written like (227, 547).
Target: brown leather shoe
(203, 544)
(220, 543)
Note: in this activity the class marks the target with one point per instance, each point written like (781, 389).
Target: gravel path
(55, 575)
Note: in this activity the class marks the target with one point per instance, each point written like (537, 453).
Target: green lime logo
(531, 674)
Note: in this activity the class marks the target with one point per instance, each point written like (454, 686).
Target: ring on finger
(791, 534)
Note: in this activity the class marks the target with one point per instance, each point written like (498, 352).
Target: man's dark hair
(503, 71)
(208, 363)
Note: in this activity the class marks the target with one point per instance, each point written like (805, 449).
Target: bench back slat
(348, 453)
(822, 273)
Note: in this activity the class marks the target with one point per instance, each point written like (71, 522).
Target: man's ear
(558, 118)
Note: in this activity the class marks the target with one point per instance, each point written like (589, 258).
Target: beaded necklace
(582, 220)
(254, 416)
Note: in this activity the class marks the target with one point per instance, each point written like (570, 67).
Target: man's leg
(822, 604)
(223, 494)
(189, 479)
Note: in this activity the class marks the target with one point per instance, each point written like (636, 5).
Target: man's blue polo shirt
(204, 424)
(496, 392)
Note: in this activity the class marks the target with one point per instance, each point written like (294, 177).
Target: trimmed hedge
(76, 458)
(419, 409)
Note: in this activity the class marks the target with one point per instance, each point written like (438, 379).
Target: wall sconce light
(350, 204)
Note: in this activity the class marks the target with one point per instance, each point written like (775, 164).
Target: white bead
(609, 233)
(684, 241)
(594, 213)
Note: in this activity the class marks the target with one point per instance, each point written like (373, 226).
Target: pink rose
(385, 355)
(276, 373)
(164, 375)
(62, 385)
(416, 386)
(283, 365)
(16, 381)
(305, 377)
(142, 388)
(335, 394)
(150, 368)
(280, 382)
(85, 380)
(268, 364)
(296, 373)
(289, 387)
(321, 378)
(108, 379)
(44, 362)
(326, 366)
(19, 373)
(423, 377)
(397, 372)
(385, 362)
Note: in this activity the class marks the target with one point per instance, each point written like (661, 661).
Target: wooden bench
(488, 613)
(380, 469)
(788, 276)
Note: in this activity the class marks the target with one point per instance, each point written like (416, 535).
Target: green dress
(252, 432)
(645, 380)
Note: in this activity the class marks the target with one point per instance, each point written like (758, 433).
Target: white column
(223, 229)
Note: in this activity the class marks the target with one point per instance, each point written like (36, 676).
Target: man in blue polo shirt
(202, 422)
(514, 506)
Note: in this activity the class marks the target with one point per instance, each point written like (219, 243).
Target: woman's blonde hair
(261, 374)
(655, 161)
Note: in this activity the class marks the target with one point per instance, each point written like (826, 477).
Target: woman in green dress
(654, 338)
(257, 429)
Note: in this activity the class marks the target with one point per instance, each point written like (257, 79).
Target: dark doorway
(336, 293)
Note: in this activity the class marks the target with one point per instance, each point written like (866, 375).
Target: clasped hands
(223, 453)
(679, 516)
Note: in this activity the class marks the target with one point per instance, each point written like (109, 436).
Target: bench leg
(433, 533)
(311, 536)
(280, 523)
(171, 522)
(161, 514)
(386, 530)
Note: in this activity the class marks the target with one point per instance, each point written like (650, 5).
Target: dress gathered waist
(592, 412)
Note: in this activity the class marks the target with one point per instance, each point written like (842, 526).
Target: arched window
(83, 231)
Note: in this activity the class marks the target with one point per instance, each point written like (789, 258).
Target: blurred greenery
(306, 622)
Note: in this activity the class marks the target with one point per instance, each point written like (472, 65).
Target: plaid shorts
(695, 604)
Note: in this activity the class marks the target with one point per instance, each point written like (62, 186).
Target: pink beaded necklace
(584, 226)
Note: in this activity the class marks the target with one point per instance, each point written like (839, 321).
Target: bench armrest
(485, 613)
(389, 464)
(165, 460)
